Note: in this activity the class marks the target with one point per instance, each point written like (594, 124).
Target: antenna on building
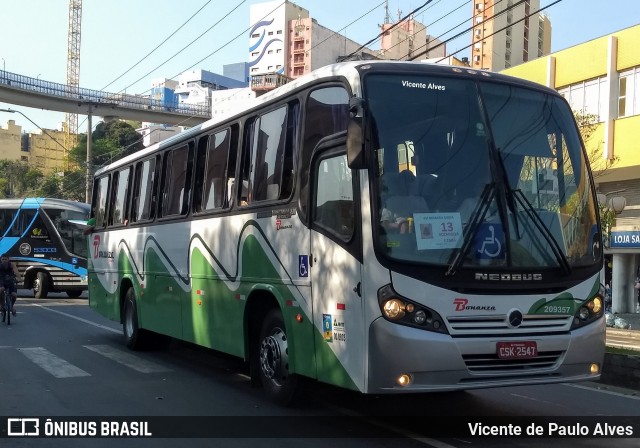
(299, 27)
(387, 16)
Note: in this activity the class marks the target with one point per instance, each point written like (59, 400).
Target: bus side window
(200, 164)
(326, 113)
(334, 208)
(6, 218)
(118, 212)
(21, 222)
(100, 201)
(176, 177)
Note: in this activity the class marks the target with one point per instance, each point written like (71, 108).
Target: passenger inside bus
(400, 201)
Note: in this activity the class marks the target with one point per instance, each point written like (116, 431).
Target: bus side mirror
(355, 139)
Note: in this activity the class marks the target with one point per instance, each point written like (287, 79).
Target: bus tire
(74, 293)
(41, 285)
(273, 358)
(135, 337)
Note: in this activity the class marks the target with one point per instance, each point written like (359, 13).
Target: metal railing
(36, 85)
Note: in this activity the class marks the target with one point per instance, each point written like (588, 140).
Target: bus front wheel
(134, 335)
(273, 359)
(41, 285)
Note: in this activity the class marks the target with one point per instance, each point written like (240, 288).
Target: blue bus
(44, 237)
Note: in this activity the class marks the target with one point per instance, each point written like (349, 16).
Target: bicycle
(6, 306)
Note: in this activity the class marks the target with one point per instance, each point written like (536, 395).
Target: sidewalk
(623, 369)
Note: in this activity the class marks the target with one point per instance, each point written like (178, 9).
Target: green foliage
(110, 142)
(18, 179)
(588, 124)
(608, 220)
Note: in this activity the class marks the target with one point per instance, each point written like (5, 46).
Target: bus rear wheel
(273, 358)
(41, 285)
(74, 293)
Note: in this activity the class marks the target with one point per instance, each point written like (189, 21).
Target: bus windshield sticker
(327, 326)
(489, 241)
(438, 230)
(339, 329)
(303, 263)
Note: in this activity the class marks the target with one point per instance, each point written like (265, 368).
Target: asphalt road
(60, 358)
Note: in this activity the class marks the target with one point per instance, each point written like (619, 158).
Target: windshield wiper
(477, 217)
(544, 230)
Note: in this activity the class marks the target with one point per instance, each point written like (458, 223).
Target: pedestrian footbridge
(34, 92)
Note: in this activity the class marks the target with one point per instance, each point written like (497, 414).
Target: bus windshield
(478, 174)
(71, 233)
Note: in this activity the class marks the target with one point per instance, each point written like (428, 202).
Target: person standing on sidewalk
(636, 288)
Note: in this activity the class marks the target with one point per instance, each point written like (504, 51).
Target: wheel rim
(36, 286)
(128, 322)
(274, 357)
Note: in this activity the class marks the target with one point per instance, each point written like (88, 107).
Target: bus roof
(348, 70)
(44, 203)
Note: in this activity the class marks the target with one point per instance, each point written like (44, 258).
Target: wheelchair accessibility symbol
(489, 241)
(303, 265)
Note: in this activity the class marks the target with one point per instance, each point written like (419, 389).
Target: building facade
(41, 150)
(500, 40)
(10, 142)
(402, 41)
(601, 78)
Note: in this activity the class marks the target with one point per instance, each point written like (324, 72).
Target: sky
(117, 34)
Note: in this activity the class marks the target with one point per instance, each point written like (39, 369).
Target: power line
(436, 21)
(348, 25)
(388, 29)
(159, 45)
(508, 26)
(462, 32)
(234, 38)
(185, 47)
(321, 42)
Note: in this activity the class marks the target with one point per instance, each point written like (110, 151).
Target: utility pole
(89, 187)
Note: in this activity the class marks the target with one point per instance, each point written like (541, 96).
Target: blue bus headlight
(588, 312)
(403, 311)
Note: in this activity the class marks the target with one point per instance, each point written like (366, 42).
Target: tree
(588, 125)
(18, 179)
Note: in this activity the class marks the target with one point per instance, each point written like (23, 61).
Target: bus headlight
(394, 309)
(588, 312)
(401, 310)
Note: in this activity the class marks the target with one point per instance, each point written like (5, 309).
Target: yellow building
(601, 77)
(41, 150)
(11, 143)
(47, 151)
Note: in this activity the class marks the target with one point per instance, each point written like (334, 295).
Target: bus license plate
(517, 349)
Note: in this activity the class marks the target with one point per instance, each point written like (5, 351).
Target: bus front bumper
(439, 362)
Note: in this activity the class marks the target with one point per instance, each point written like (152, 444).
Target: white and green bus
(381, 226)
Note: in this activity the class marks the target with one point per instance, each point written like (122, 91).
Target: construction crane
(73, 71)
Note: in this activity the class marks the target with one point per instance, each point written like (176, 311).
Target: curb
(621, 370)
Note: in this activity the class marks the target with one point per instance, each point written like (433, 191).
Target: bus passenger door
(335, 271)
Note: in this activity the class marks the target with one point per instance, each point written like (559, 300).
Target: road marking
(56, 366)
(610, 392)
(127, 359)
(104, 327)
